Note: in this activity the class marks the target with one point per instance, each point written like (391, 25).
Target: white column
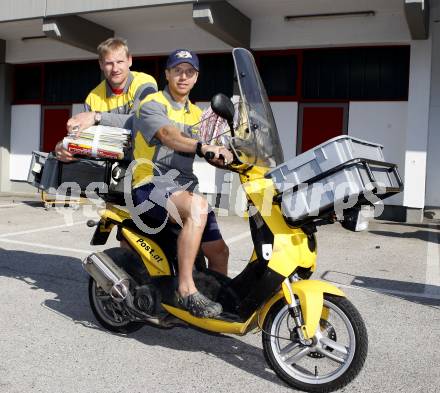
(5, 123)
(432, 176)
(25, 138)
(417, 125)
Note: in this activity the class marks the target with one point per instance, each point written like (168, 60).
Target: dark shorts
(159, 213)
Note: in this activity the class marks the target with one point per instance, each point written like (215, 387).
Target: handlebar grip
(92, 223)
(209, 155)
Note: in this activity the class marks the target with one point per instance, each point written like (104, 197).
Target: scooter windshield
(256, 137)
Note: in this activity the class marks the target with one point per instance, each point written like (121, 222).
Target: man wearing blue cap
(165, 131)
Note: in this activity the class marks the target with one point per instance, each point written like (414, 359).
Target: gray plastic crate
(308, 201)
(341, 173)
(48, 174)
(322, 158)
(36, 168)
(341, 190)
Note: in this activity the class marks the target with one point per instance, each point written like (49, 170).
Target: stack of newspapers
(99, 142)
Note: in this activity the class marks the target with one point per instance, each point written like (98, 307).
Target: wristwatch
(98, 117)
(199, 149)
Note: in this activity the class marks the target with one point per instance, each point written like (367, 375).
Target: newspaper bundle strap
(99, 142)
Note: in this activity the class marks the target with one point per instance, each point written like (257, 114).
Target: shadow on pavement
(428, 225)
(65, 277)
(34, 203)
(432, 214)
(427, 236)
(428, 295)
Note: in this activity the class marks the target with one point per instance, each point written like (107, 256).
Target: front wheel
(335, 357)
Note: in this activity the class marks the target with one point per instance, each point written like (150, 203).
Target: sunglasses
(178, 71)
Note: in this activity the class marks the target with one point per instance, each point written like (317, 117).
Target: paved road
(50, 341)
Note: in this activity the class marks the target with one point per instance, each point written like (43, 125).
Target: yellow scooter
(313, 337)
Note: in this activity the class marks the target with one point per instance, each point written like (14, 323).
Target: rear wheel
(334, 359)
(109, 313)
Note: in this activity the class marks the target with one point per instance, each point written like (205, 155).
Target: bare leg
(193, 212)
(124, 244)
(217, 253)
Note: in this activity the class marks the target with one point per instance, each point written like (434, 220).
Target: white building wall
(55, 7)
(384, 27)
(384, 123)
(18, 9)
(23, 9)
(433, 164)
(158, 43)
(34, 51)
(286, 119)
(159, 30)
(418, 121)
(149, 31)
(25, 137)
(381, 122)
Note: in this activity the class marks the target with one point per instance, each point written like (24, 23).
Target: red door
(320, 122)
(54, 126)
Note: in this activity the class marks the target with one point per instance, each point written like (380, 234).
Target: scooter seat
(169, 228)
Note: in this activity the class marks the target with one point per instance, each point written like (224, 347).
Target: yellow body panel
(290, 248)
(311, 298)
(115, 213)
(152, 255)
(213, 325)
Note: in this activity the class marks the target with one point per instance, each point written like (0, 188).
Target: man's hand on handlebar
(217, 155)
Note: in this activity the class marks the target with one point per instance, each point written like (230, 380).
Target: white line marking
(42, 229)
(435, 296)
(12, 204)
(433, 264)
(237, 238)
(390, 291)
(46, 246)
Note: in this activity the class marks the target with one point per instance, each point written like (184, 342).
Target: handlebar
(209, 155)
(92, 223)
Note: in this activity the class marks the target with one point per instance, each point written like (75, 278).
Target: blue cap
(180, 56)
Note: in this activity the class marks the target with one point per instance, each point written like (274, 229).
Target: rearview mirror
(223, 107)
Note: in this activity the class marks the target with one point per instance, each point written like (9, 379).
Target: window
(68, 82)
(356, 73)
(27, 83)
(278, 73)
(216, 76)
(161, 80)
(149, 66)
(379, 73)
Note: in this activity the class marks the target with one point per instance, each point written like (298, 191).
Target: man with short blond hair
(116, 98)
(111, 44)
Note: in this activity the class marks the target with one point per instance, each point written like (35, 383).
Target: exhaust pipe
(110, 277)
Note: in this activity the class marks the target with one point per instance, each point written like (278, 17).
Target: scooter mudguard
(311, 298)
